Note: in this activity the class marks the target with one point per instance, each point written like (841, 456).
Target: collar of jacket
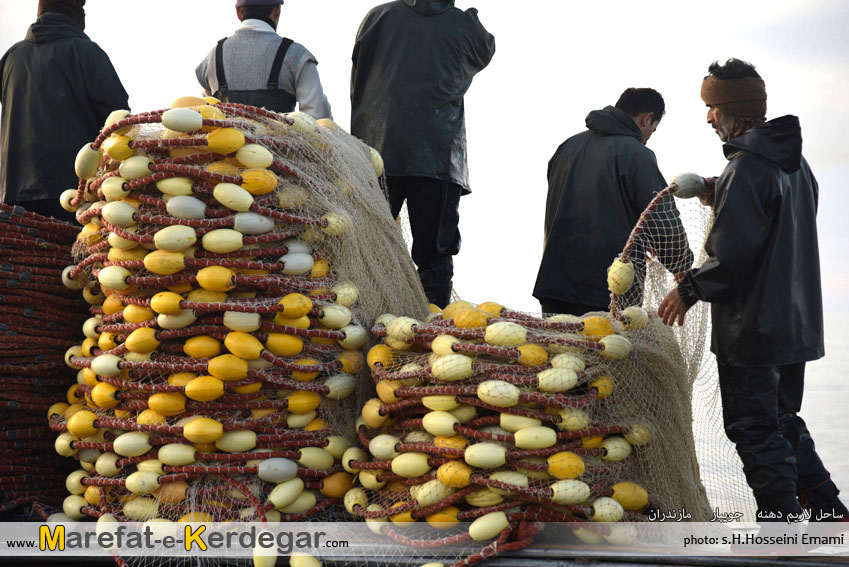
(779, 140)
(252, 24)
(52, 26)
(612, 121)
(430, 7)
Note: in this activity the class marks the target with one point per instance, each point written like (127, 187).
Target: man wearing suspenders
(256, 66)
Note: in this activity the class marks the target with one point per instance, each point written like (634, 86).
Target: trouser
(760, 406)
(48, 208)
(556, 306)
(433, 207)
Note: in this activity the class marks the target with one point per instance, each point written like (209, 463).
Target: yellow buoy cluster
(498, 418)
(221, 337)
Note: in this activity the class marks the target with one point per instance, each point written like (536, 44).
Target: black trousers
(433, 207)
(760, 406)
(556, 306)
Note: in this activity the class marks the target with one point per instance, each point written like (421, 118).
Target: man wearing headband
(58, 87)
(256, 66)
(762, 278)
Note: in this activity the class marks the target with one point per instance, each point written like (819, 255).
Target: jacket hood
(611, 121)
(52, 26)
(778, 140)
(430, 7)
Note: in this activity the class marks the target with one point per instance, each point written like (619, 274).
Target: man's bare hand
(672, 309)
(707, 198)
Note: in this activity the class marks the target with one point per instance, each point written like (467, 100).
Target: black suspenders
(272, 83)
(278, 63)
(219, 68)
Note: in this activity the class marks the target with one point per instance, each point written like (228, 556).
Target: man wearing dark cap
(256, 66)
(762, 279)
(58, 87)
(413, 62)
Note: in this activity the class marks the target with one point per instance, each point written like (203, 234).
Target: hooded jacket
(599, 183)
(413, 61)
(762, 276)
(57, 89)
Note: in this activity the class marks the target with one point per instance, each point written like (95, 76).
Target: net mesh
(672, 230)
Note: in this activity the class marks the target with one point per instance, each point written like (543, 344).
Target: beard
(724, 127)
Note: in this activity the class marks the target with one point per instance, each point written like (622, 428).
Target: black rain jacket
(762, 276)
(413, 61)
(57, 89)
(599, 183)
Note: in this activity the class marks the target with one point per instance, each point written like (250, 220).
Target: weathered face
(722, 122)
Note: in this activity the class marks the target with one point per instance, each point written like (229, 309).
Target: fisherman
(413, 61)
(58, 88)
(256, 66)
(762, 279)
(599, 182)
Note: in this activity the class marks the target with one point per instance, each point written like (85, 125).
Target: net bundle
(504, 419)
(239, 254)
(35, 309)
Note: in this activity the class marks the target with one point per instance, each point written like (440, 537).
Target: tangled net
(235, 255)
(503, 419)
(35, 309)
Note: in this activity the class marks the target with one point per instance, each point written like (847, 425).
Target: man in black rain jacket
(58, 87)
(599, 182)
(762, 278)
(413, 61)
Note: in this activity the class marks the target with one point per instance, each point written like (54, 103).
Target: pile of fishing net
(503, 419)
(233, 258)
(241, 254)
(39, 319)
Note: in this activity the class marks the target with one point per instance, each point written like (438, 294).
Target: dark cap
(240, 3)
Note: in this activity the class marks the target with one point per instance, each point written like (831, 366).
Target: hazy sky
(555, 61)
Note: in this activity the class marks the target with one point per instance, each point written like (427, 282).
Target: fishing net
(666, 233)
(503, 419)
(34, 310)
(489, 421)
(239, 255)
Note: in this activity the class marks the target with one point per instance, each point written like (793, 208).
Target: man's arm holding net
(735, 244)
